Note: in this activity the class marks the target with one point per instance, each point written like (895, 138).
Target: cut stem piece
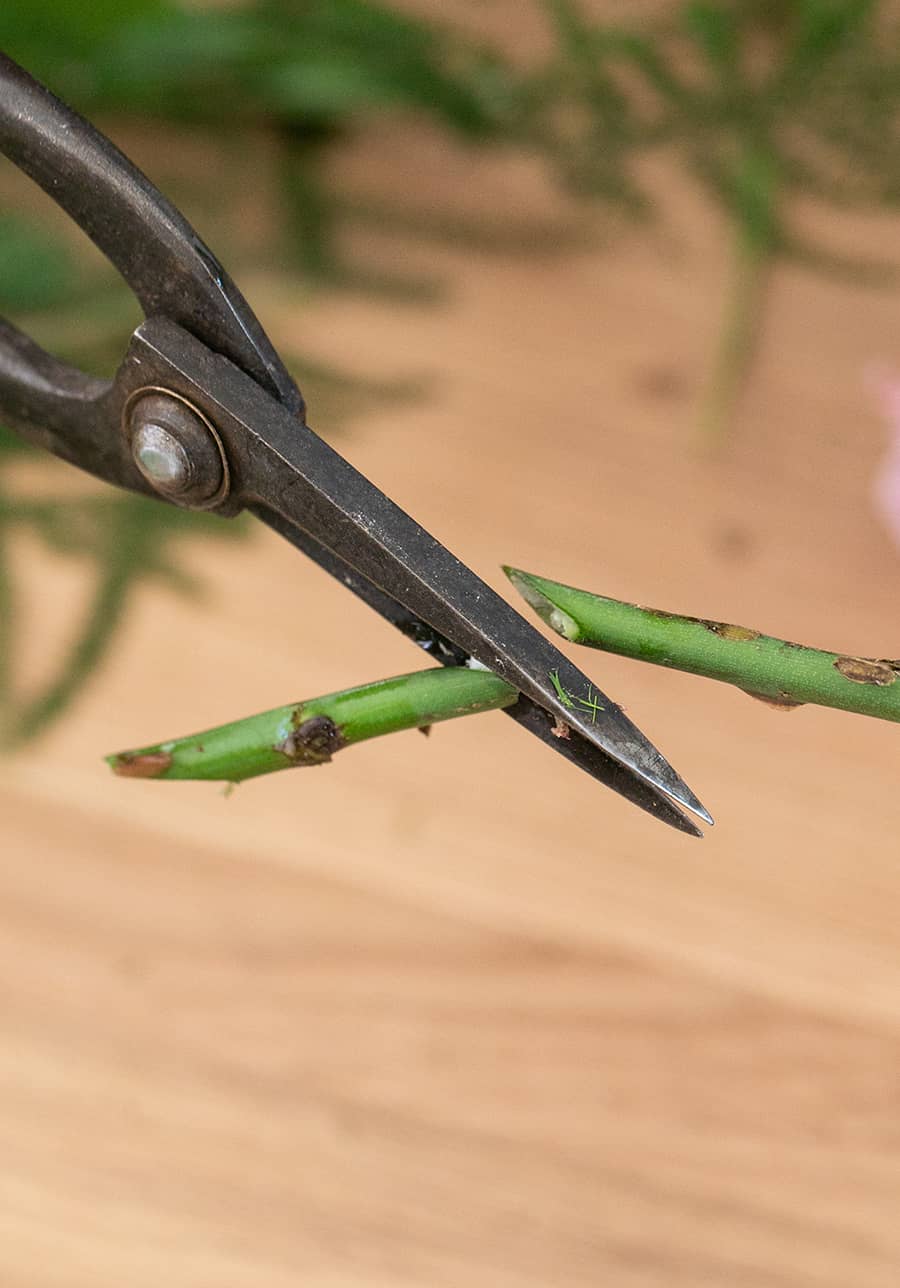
(774, 670)
(309, 733)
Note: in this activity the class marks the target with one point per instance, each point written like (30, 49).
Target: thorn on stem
(313, 741)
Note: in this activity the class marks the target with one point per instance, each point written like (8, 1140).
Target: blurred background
(605, 291)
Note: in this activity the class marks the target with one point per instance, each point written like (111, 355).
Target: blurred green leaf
(716, 31)
(36, 270)
(66, 46)
(825, 29)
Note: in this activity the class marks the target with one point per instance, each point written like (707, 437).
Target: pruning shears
(203, 414)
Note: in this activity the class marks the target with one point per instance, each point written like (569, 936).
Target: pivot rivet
(161, 459)
(176, 449)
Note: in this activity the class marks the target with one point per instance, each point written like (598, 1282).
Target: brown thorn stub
(777, 701)
(313, 741)
(866, 670)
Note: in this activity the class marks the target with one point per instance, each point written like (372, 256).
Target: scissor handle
(162, 259)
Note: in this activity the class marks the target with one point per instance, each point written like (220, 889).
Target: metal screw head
(176, 449)
(160, 457)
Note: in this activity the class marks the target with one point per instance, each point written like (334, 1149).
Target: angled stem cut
(774, 670)
(311, 732)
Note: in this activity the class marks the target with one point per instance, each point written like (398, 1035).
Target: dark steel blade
(279, 463)
(579, 752)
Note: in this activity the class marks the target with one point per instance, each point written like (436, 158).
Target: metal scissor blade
(599, 765)
(279, 462)
(202, 344)
(525, 712)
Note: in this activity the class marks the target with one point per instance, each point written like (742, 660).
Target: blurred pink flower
(886, 486)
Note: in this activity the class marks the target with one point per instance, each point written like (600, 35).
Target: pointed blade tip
(680, 821)
(683, 796)
(691, 802)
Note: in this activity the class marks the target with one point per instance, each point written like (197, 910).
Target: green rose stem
(309, 733)
(783, 674)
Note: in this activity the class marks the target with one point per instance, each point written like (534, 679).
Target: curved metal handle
(162, 259)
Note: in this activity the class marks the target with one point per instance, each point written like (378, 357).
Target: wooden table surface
(446, 1013)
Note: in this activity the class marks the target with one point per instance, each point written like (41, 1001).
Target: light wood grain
(445, 1013)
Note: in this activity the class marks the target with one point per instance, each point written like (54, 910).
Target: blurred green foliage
(302, 70)
(36, 271)
(811, 85)
(301, 61)
(760, 100)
